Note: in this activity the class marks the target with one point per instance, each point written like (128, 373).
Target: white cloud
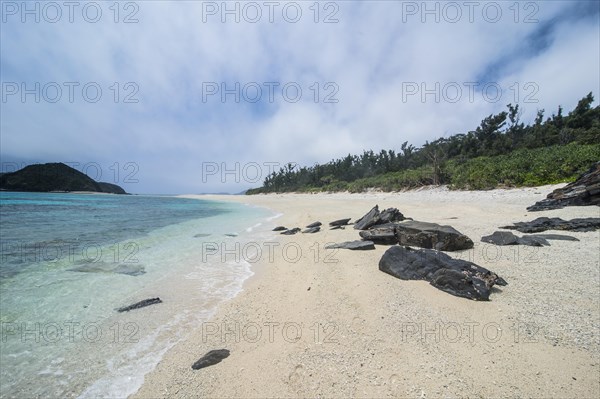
(372, 54)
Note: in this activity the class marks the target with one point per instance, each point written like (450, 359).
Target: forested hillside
(501, 151)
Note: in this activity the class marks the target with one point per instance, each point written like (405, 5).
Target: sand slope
(321, 323)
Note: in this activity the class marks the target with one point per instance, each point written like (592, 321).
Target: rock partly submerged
(584, 191)
(454, 276)
(140, 304)
(129, 269)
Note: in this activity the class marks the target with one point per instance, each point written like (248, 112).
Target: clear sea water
(68, 261)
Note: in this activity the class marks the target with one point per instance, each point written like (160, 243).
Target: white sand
(330, 324)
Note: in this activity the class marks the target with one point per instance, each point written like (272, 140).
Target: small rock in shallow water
(130, 270)
(140, 304)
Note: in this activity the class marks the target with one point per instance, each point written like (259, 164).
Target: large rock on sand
(374, 217)
(454, 276)
(582, 192)
(418, 234)
(432, 236)
(384, 234)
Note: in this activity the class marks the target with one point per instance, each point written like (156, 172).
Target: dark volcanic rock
(544, 223)
(461, 284)
(501, 238)
(211, 358)
(291, 231)
(353, 245)
(455, 276)
(383, 234)
(140, 304)
(315, 224)
(312, 230)
(555, 237)
(582, 192)
(370, 219)
(374, 217)
(340, 222)
(508, 238)
(432, 235)
(280, 228)
(533, 241)
(103, 267)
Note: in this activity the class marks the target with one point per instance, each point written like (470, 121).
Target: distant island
(51, 177)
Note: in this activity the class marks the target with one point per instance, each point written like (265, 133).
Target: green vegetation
(501, 152)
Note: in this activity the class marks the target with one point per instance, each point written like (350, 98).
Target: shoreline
(310, 325)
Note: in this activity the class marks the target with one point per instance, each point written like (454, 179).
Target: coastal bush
(523, 167)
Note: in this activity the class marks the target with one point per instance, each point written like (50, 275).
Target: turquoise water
(68, 261)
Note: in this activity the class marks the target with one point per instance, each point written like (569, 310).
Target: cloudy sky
(191, 96)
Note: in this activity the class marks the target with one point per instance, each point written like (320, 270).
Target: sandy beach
(327, 323)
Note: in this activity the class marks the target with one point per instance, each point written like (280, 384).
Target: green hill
(53, 177)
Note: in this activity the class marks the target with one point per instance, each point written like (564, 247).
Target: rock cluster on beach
(427, 262)
(390, 227)
(582, 192)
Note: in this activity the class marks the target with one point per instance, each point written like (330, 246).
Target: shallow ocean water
(68, 261)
